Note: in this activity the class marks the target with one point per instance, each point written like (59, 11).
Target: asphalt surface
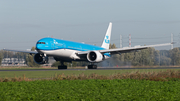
(86, 69)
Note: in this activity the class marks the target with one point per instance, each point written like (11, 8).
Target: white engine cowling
(40, 58)
(94, 56)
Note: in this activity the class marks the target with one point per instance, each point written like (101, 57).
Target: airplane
(68, 51)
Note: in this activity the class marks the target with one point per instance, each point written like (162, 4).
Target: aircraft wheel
(62, 67)
(92, 66)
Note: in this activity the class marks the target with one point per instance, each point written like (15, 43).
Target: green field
(94, 90)
(51, 73)
(91, 85)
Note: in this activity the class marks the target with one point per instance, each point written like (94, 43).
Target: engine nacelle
(40, 58)
(94, 56)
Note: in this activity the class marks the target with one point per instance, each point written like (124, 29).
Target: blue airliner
(68, 51)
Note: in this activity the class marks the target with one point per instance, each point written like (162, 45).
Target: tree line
(145, 57)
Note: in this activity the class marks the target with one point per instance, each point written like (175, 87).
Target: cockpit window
(40, 42)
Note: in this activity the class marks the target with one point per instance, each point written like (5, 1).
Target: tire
(92, 66)
(62, 67)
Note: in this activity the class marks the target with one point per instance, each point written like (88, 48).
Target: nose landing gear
(62, 66)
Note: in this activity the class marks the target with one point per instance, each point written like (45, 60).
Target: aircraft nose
(41, 45)
(38, 46)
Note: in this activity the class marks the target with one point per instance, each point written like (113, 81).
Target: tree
(128, 58)
(175, 56)
(156, 58)
(1, 57)
(137, 59)
(56, 64)
(165, 61)
(150, 60)
(121, 59)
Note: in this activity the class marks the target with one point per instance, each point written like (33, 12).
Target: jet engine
(40, 58)
(94, 56)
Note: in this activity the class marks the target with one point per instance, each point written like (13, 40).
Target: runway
(87, 69)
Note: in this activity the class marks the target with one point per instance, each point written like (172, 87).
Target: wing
(24, 51)
(125, 49)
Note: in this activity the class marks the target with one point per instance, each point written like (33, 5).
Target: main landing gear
(92, 66)
(62, 66)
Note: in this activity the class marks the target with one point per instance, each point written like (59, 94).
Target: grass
(154, 76)
(51, 73)
(24, 67)
(91, 90)
(149, 86)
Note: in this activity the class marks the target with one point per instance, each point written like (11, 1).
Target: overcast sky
(24, 22)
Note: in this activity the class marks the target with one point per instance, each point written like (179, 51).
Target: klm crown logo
(107, 39)
(55, 42)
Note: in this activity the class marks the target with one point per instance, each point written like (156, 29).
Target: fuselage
(63, 49)
(54, 44)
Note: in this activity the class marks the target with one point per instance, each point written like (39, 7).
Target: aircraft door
(81, 48)
(52, 45)
(64, 45)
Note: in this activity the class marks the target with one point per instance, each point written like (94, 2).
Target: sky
(24, 22)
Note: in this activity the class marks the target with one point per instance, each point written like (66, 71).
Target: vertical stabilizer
(107, 37)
